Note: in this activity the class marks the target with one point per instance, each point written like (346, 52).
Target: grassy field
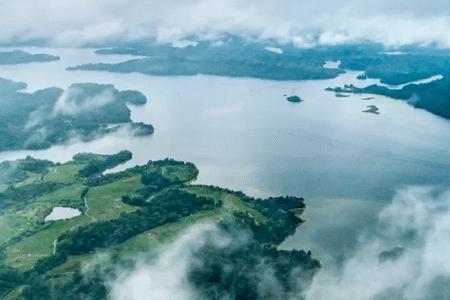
(105, 203)
(25, 253)
(151, 241)
(66, 173)
(34, 238)
(231, 202)
(16, 221)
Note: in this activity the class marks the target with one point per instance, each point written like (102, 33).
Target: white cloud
(166, 277)
(301, 22)
(274, 50)
(69, 102)
(419, 221)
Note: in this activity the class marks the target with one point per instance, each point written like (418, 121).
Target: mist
(183, 270)
(405, 257)
(67, 103)
(302, 23)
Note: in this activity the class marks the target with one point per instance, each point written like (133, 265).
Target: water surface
(243, 134)
(62, 213)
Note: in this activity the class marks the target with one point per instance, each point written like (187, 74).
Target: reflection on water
(244, 135)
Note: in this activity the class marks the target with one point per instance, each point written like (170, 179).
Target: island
(372, 109)
(22, 57)
(294, 99)
(341, 95)
(120, 216)
(53, 116)
(362, 76)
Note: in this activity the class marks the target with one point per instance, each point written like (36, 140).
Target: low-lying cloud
(303, 23)
(72, 101)
(166, 277)
(407, 258)
(197, 265)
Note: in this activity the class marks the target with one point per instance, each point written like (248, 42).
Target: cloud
(199, 264)
(413, 234)
(166, 277)
(303, 23)
(163, 279)
(73, 101)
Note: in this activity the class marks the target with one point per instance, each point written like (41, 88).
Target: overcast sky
(74, 22)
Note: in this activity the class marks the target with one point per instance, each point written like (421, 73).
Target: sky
(303, 23)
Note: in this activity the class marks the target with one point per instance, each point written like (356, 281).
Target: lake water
(243, 134)
(62, 213)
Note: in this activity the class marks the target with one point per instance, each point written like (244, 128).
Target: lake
(243, 134)
(62, 213)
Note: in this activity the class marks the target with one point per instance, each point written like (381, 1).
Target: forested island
(372, 109)
(235, 57)
(294, 99)
(136, 211)
(53, 116)
(22, 57)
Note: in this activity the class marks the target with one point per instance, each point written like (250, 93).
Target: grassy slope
(151, 240)
(103, 203)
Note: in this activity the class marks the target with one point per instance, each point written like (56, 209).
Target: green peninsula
(128, 213)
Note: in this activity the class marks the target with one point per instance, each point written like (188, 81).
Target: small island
(294, 99)
(391, 255)
(372, 109)
(361, 76)
(341, 95)
(22, 57)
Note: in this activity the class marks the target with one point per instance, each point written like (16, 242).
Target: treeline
(97, 166)
(16, 171)
(26, 193)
